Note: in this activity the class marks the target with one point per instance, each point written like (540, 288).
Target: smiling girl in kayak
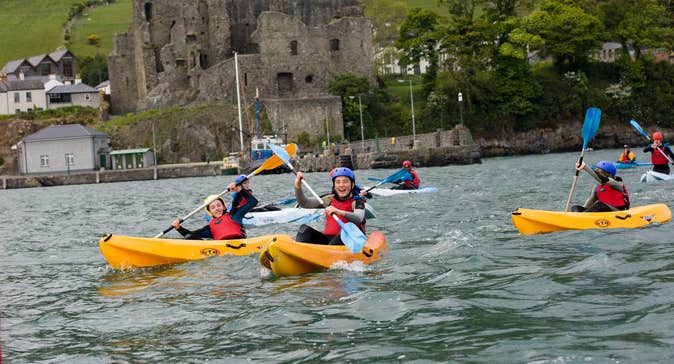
(224, 224)
(609, 195)
(342, 203)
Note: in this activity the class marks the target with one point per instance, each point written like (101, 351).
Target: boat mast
(238, 99)
(257, 112)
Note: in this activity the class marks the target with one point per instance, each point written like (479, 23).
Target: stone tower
(177, 52)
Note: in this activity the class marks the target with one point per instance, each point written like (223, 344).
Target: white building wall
(84, 99)
(38, 101)
(56, 150)
(3, 104)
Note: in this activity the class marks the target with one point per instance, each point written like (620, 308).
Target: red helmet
(657, 135)
(407, 164)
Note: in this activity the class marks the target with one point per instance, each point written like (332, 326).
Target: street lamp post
(414, 129)
(461, 106)
(362, 133)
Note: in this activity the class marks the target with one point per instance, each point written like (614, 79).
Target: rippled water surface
(459, 283)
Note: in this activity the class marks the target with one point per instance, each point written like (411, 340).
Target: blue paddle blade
(280, 152)
(352, 237)
(396, 176)
(590, 125)
(639, 128)
(374, 179)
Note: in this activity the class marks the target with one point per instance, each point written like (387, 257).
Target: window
(148, 11)
(16, 111)
(44, 160)
(70, 159)
(29, 109)
(29, 97)
(17, 98)
(59, 98)
(293, 47)
(334, 44)
(87, 97)
(45, 68)
(309, 79)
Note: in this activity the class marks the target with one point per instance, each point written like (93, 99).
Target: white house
(22, 95)
(73, 95)
(105, 86)
(63, 148)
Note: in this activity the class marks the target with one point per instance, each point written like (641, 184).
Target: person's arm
(593, 174)
(302, 200)
(237, 214)
(648, 149)
(591, 200)
(203, 233)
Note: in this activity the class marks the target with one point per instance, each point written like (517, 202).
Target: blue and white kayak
(632, 165)
(390, 192)
(282, 216)
(652, 176)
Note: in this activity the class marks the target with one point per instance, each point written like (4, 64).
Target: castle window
(180, 62)
(309, 79)
(293, 47)
(334, 44)
(148, 11)
(191, 38)
(285, 83)
(245, 79)
(203, 61)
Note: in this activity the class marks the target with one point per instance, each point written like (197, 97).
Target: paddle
(390, 179)
(351, 235)
(642, 132)
(590, 127)
(271, 163)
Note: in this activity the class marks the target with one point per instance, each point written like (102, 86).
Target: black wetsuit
(661, 168)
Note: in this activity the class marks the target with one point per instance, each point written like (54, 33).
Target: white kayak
(652, 176)
(390, 192)
(282, 216)
(295, 215)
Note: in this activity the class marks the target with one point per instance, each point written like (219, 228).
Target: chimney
(78, 79)
(21, 75)
(52, 77)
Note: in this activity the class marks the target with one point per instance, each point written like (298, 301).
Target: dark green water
(459, 283)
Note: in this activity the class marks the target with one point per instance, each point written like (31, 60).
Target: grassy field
(31, 27)
(104, 21)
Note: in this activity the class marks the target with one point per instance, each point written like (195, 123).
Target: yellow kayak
(134, 252)
(537, 221)
(290, 258)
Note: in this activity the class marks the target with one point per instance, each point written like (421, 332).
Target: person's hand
(580, 166)
(298, 180)
(332, 210)
(363, 193)
(233, 187)
(176, 224)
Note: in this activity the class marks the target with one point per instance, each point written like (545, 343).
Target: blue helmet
(342, 171)
(240, 179)
(607, 167)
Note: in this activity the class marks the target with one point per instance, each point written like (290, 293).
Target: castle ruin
(178, 52)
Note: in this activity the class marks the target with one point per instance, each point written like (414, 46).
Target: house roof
(70, 131)
(130, 151)
(80, 88)
(51, 84)
(19, 85)
(57, 55)
(35, 61)
(103, 84)
(12, 66)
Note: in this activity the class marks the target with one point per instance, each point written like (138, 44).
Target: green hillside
(103, 21)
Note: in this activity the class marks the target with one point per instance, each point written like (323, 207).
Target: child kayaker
(224, 224)
(609, 195)
(410, 181)
(627, 156)
(659, 153)
(342, 203)
(244, 182)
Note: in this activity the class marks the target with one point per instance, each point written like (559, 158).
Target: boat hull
(124, 252)
(619, 165)
(391, 192)
(529, 221)
(290, 258)
(283, 216)
(652, 176)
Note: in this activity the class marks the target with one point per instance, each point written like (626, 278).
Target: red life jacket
(243, 199)
(414, 183)
(612, 197)
(331, 226)
(658, 156)
(225, 228)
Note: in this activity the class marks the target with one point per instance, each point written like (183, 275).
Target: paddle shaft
(305, 184)
(575, 180)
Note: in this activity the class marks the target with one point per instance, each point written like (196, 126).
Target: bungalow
(73, 95)
(63, 148)
(21, 95)
(61, 63)
(132, 158)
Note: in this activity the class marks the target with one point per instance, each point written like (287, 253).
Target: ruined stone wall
(306, 114)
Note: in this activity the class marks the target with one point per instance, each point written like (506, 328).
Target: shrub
(93, 39)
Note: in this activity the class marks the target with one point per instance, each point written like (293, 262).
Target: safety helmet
(626, 146)
(607, 167)
(657, 135)
(342, 171)
(212, 198)
(240, 179)
(407, 164)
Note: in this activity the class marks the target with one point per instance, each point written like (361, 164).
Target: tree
(93, 70)
(563, 30)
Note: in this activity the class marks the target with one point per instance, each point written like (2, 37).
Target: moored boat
(391, 192)
(290, 258)
(123, 252)
(529, 221)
